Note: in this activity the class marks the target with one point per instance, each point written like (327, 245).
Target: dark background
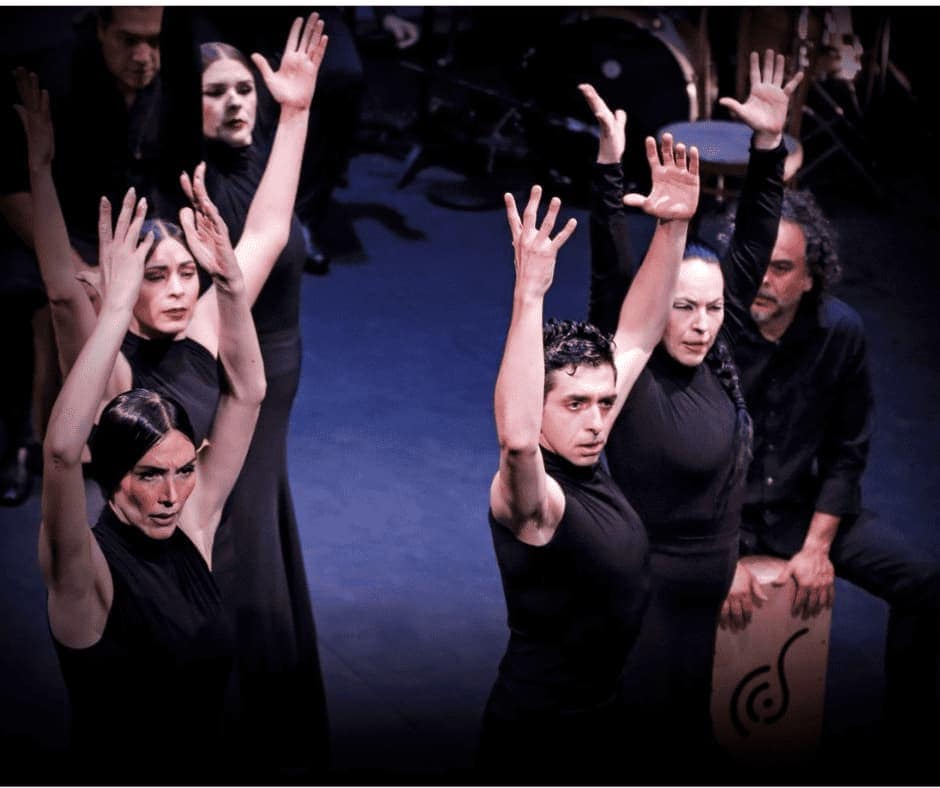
(393, 445)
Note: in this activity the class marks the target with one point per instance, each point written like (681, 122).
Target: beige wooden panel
(769, 680)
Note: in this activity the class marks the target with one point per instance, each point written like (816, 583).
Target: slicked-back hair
(822, 250)
(722, 363)
(162, 230)
(130, 425)
(218, 50)
(570, 344)
(698, 249)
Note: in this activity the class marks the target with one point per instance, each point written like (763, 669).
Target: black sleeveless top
(153, 685)
(232, 179)
(575, 604)
(182, 369)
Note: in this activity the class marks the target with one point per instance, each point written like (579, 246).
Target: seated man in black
(122, 116)
(804, 371)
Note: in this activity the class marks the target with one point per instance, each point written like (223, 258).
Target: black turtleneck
(155, 679)
(574, 604)
(671, 450)
(232, 178)
(182, 369)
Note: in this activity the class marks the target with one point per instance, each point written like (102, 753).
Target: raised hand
(765, 109)
(36, 118)
(121, 252)
(404, 32)
(674, 194)
(206, 232)
(535, 251)
(613, 127)
(295, 81)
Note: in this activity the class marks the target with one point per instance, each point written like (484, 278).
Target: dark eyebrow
(140, 468)
(151, 468)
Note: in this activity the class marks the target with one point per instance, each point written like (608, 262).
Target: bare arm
(17, 209)
(267, 225)
(73, 316)
(74, 570)
(643, 316)
(522, 496)
(240, 354)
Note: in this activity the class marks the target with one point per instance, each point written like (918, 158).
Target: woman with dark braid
(680, 447)
(571, 551)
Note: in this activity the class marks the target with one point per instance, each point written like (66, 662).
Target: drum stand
(832, 120)
(493, 137)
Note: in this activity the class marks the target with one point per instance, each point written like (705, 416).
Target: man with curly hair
(804, 371)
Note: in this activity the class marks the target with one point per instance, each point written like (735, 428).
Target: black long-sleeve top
(811, 400)
(671, 449)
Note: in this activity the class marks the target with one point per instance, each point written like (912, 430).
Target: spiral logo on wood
(754, 701)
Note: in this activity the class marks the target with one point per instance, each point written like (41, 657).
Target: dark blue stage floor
(392, 450)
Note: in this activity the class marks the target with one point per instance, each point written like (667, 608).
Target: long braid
(722, 364)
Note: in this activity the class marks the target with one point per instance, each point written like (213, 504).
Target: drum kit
(656, 63)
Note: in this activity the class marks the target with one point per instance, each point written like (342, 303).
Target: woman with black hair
(572, 553)
(278, 714)
(680, 448)
(172, 341)
(134, 612)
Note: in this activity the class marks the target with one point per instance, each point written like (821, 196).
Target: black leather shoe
(317, 263)
(16, 481)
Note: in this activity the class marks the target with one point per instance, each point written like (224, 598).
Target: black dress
(279, 704)
(182, 369)
(575, 606)
(671, 451)
(147, 698)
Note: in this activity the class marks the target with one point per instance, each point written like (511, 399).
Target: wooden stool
(769, 680)
(724, 147)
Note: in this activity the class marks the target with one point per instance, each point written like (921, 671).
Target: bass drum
(642, 68)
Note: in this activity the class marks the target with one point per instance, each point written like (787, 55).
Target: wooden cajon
(769, 680)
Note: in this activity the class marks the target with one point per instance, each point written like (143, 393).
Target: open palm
(675, 179)
(36, 118)
(295, 81)
(206, 232)
(765, 109)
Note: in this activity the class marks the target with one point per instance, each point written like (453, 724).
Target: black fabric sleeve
(843, 451)
(612, 260)
(14, 170)
(755, 233)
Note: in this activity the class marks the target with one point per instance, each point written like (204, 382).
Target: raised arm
(758, 213)
(73, 567)
(73, 316)
(267, 225)
(645, 310)
(612, 256)
(522, 496)
(240, 354)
